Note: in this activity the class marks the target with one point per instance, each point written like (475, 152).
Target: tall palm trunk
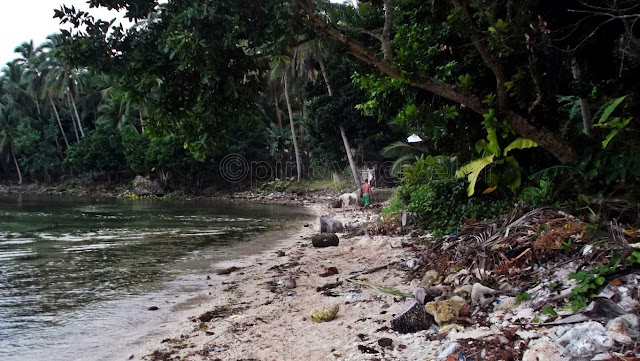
(587, 120)
(15, 161)
(73, 122)
(75, 111)
(352, 164)
(55, 111)
(293, 128)
(324, 75)
(345, 140)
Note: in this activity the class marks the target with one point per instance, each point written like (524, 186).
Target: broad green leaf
(492, 137)
(520, 143)
(473, 169)
(610, 109)
(516, 177)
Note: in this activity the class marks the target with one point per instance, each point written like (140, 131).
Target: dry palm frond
(384, 289)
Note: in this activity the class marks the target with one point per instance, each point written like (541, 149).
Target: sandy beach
(250, 314)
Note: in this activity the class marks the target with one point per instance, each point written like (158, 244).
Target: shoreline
(251, 315)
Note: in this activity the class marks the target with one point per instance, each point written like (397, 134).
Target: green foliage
(548, 310)
(442, 205)
(616, 124)
(38, 156)
(524, 296)
(491, 154)
(100, 151)
(589, 282)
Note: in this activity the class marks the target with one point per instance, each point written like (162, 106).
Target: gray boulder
(143, 186)
(325, 240)
(330, 225)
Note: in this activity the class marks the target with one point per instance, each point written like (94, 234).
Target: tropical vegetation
(508, 98)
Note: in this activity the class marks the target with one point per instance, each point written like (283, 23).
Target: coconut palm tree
(61, 79)
(283, 69)
(10, 118)
(306, 56)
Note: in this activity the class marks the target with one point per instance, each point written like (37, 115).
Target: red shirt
(366, 189)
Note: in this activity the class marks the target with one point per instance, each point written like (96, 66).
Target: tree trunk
(55, 111)
(324, 75)
(587, 121)
(293, 128)
(75, 110)
(352, 164)
(15, 161)
(73, 122)
(141, 122)
(278, 111)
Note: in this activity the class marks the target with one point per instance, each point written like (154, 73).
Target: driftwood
(370, 270)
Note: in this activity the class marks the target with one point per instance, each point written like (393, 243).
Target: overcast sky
(24, 20)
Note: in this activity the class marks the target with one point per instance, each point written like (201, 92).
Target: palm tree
(9, 121)
(283, 70)
(306, 55)
(61, 79)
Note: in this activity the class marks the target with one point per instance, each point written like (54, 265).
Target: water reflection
(61, 257)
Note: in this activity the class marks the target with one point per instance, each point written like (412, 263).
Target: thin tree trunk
(352, 164)
(324, 75)
(587, 120)
(278, 111)
(15, 161)
(293, 128)
(73, 122)
(55, 111)
(75, 110)
(345, 140)
(141, 121)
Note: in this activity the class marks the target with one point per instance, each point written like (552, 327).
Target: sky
(24, 20)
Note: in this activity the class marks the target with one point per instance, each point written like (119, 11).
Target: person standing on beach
(366, 193)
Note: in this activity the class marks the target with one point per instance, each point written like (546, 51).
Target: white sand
(268, 325)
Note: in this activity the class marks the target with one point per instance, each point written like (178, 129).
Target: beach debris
(352, 296)
(482, 295)
(290, 283)
(328, 286)
(446, 311)
(623, 329)
(281, 253)
(450, 327)
(330, 225)
(325, 314)
(428, 294)
(367, 349)
(584, 340)
(413, 263)
(325, 240)
(448, 351)
(385, 342)
(411, 318)
(384, 289)
(227, 270)
(329, 272)
(153, 308)
(430, 278)
(543, 350)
